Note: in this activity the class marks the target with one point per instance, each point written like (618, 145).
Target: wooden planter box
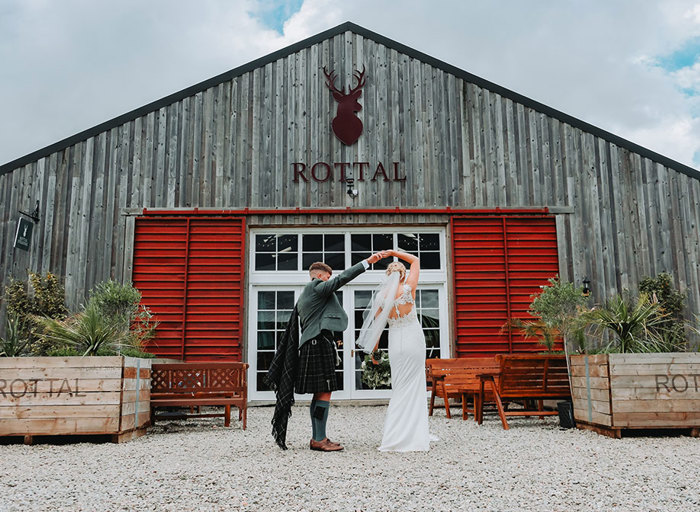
(74, 395)
(613, 392)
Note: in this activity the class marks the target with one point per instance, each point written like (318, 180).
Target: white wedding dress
(406, 423)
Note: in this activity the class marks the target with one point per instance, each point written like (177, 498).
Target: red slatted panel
(498, 263)
(190, 272)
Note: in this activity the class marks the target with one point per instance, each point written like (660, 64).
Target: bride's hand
(374, 361)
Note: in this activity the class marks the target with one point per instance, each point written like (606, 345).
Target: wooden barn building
(213, 201)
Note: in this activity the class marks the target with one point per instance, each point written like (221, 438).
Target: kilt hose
(316, 366)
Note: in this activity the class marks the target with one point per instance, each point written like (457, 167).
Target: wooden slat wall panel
(459, 145)
(190, 273)
(499, 263)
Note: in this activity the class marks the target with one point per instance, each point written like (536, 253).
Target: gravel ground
(200, 465)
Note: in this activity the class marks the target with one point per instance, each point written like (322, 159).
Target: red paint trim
(347, 210)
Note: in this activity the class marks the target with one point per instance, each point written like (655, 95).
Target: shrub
(672, 326)
(42, 296)
(121, 304)
(557, 312)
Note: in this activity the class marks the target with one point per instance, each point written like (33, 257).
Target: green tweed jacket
(320, 309)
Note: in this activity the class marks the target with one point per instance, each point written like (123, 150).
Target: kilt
(316, 367)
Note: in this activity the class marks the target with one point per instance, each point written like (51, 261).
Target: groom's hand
(375, 257)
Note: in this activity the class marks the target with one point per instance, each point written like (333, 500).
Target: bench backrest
(200, 379)
(462, 371)
(536, 375)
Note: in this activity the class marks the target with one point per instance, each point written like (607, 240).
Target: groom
(307, 362)
(321, 314)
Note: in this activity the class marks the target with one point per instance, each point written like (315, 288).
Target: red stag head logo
(346, 125)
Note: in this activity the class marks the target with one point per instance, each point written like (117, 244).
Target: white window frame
(295, 280)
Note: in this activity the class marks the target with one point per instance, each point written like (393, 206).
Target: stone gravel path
(200, 465)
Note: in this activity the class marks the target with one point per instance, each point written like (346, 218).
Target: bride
(406, 424)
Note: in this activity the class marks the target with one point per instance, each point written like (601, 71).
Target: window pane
(312, 243)
(287, 261)
(265, 243)
(408, 242)
(285, 300)
(264, 360)
(264, 261)
(266, 300)
(358, 257)
(335, 260)
(266, 340)
(283, 319)
(262, 386)
(429, 242)
(382, 264)
(361, 243)
(266, 320)
(382, 241)
(310, 258)
(430, 260)
(334, 243)
(288, 242)
(429, 299)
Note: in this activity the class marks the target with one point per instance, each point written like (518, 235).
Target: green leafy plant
(13, 345)
(41, 296)
(673, 326)
(545, 334)
(635, 323)
(556, 313)
(89, 332)
(377, 376)
(121, 303)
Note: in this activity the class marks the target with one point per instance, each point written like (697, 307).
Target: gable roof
(367, 34)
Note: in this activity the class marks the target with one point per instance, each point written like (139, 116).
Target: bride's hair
(396, 266)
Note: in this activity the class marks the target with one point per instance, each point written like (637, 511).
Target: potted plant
(628, 378)
(75, 378)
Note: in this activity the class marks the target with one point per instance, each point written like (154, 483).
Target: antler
(360, 80)
(330, 81)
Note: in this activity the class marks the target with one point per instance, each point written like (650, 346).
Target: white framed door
(278, 275)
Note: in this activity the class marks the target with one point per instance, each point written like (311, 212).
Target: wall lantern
(352, 192)
(586, 287)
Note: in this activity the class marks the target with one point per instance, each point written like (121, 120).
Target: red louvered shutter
(499, 262)
(190, 273)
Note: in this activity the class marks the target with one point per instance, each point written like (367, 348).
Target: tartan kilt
(316, 367)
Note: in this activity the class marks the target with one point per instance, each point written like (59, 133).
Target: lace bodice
(406, 297)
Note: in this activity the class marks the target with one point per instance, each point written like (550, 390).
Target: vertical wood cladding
(459, 144)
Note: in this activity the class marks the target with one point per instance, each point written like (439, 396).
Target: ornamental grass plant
(632, 324)
(13, 344)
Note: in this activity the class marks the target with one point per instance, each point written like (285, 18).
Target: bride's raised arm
(414, 270)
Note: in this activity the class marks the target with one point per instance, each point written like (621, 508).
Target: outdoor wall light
(352, 192)
(586, 287)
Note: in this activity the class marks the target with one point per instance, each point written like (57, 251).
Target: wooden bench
(526, 378)
(457, 377)
(195, 384)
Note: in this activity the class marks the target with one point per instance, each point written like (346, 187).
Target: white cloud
(72, 64)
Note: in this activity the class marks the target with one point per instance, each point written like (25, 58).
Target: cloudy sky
(631, 67)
